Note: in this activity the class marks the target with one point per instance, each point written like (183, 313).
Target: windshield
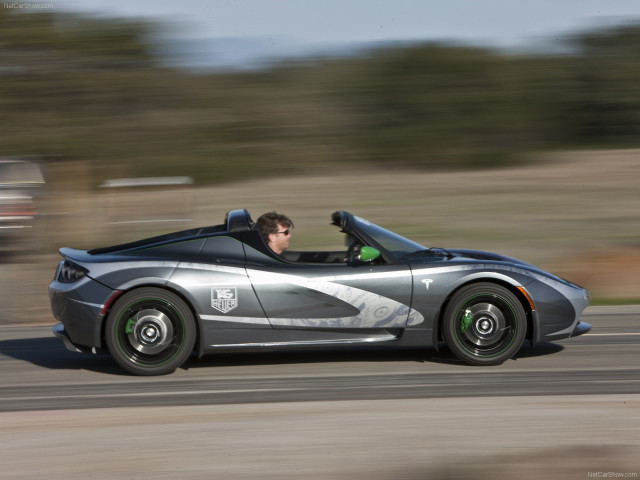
(395, 244)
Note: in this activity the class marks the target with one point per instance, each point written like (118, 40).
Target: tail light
(70, 272)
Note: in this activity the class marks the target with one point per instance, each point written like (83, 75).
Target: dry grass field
(576, 214)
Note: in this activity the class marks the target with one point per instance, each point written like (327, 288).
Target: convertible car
(155, 302)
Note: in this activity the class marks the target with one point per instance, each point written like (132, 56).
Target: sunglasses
(286, 232)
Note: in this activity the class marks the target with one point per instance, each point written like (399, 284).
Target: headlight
(559, 280)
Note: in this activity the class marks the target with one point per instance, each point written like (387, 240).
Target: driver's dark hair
(268, 223)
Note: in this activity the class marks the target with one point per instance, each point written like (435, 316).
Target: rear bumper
(78, 307)
(62, 335)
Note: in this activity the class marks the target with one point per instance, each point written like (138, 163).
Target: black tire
(150, 331)
(484, 324)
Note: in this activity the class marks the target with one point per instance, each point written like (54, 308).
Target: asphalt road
(38, 373)
(564, 410)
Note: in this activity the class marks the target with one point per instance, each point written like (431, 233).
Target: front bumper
(581, 328)
(559, 306)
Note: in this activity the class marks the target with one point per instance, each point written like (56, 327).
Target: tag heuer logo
(224, 299)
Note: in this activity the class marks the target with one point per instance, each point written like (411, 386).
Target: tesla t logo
(224, 299)
(427, 282)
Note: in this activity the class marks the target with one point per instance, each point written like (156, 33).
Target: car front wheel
(150, 331)
(484, 324)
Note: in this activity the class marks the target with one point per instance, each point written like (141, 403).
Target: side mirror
(368, 254)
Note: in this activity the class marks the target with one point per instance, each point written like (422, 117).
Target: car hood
(449, 255)
(486, 256)
(490, 257)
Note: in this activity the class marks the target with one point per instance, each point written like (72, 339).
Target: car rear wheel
(150, 331)
(484, 324)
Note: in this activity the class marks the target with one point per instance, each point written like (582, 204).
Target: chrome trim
(346, 341)
(243, 320)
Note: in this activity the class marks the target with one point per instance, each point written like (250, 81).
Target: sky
(328, 21)
(283, 23)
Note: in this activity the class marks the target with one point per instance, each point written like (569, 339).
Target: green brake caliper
(128, 328)
(466, 320)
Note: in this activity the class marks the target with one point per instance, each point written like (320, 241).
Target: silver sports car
(154, 302)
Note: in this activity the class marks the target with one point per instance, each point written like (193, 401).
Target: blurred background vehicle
(21, 182)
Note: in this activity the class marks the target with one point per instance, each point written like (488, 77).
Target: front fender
(432, 287)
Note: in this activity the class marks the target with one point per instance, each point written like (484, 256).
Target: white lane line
(610, 334)
(132, 394)
(184, 393)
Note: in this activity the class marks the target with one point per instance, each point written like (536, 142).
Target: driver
(276, 231)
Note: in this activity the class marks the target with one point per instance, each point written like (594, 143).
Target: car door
(218, 287)
(341, 296)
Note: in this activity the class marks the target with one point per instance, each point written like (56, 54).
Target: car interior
(240, 220)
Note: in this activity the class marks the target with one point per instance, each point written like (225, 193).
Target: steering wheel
(354, 246)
